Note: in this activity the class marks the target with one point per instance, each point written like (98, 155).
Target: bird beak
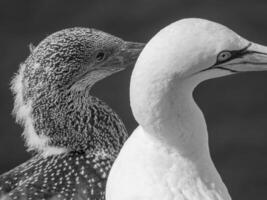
(254, 59)
(130, 53)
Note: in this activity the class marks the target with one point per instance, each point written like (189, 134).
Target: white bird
(167, 156)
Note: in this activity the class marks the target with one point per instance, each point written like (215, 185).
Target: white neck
(165, 108)
(163, 105)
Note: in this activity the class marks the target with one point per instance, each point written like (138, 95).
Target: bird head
(201, 49)
(76, 58)
(182, 55)
(66, 62)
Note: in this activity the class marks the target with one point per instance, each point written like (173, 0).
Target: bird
(74, 136)
(167, 156)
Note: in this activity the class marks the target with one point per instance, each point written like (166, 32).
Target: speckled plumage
(75, 136)
(54, 85)
(76, 175)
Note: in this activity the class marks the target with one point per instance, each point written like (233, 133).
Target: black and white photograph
(133, 100)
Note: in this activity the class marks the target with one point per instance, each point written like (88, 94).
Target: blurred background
(235, 107)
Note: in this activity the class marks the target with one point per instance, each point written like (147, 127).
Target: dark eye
(100, 56)
(223, 56)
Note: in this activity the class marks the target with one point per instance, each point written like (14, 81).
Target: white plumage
(167, 157)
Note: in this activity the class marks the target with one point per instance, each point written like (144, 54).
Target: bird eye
(223, 56)
(100, 56)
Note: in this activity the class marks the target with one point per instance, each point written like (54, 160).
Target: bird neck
(77, 121)
(166, 110)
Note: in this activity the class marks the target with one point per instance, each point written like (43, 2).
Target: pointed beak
(130, 53)
(254, 59)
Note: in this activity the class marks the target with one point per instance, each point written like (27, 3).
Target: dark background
(235, 107)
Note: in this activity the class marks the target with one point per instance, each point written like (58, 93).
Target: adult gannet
(167, 157)
(76, 136)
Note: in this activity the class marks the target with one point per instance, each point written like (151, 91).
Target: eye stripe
(234, 54)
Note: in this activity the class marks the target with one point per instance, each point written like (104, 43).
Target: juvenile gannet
(167, 157)
(76, 136)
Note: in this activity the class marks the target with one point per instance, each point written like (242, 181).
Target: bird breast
(147, 170)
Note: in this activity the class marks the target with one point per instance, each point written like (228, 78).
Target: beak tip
(131, 52)
(135, 45)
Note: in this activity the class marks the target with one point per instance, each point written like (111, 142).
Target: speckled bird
(75, 136)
